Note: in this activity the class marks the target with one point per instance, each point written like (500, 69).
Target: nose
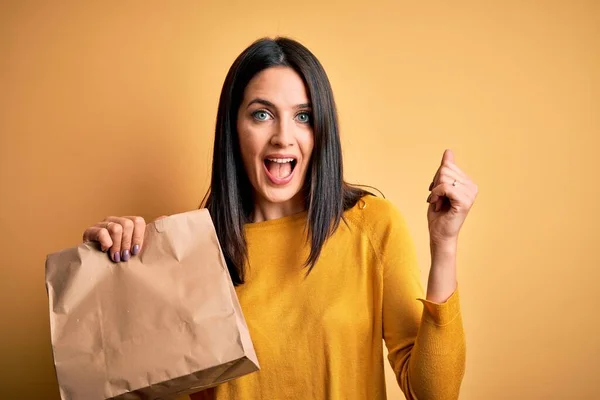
(283, 135)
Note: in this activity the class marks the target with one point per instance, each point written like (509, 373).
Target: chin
(281, 195)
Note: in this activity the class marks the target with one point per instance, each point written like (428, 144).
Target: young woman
(324, 271)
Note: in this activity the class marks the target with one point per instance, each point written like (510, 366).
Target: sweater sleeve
(425, 340)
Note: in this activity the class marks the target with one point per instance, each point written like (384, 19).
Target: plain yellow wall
(108, 107)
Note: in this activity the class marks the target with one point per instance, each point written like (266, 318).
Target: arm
(425, 340)
(433, 365)
(452, 196)
(442, 275)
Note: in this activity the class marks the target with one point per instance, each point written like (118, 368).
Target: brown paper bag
(164, 324)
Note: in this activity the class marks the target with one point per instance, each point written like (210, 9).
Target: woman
(323, 270)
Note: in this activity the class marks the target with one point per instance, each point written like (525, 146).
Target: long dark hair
(229, 199)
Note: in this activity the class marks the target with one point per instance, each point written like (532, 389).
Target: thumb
(448, 156)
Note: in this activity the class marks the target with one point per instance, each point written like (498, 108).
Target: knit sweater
(319, 336)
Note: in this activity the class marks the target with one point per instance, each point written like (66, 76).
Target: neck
(265, 210)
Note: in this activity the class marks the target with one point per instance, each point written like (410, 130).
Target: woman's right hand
(122, 237)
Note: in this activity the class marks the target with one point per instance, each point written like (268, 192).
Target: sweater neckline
(287, 220)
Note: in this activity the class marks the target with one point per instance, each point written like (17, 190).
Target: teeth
(280, 160)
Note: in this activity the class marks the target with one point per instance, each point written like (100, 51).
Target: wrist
(444, 247)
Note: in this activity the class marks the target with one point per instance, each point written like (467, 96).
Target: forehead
(281, 86)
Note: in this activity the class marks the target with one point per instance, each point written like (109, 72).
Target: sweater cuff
(442, 313)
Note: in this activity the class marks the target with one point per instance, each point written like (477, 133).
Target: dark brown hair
(229, 199)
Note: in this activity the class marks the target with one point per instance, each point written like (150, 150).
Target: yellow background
(108, 108)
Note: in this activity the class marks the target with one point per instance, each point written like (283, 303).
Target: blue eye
(303, 117)
(260, 115)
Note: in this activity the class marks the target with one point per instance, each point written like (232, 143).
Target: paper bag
(164, 324)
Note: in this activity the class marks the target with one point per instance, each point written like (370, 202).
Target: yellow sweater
(320, 336)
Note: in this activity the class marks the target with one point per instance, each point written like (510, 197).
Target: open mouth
(280, 170)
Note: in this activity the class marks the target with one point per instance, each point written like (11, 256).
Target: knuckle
(104, 238)
(116, 229)
(444, 180)
(103, 235)
(127, 224)
(139, 220)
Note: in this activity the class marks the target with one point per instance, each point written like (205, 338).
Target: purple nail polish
(117, 257)
(125, 256)
(136, 250)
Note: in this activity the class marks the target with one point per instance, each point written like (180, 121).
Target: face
(276, 136)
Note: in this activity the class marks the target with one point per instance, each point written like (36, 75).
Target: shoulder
(381, 222)
(375, 215)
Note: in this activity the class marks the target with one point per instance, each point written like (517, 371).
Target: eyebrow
(269, 104)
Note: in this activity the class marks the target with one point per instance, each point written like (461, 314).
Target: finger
(434, 181)
(137, 237)
(468, 189)
(126, 236)
(100, 235)
(450, 176)
(450, 169)
(464, 184)
(451, 173)
(448, 157)
(459, 173)
(445, 174)
(441, 191)
(116, 234)
(439, 203)
(456, 196)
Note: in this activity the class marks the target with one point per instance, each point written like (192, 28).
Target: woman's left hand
(452, 196)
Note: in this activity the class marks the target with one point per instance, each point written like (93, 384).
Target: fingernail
(125, 255)
(117, 257)
(136, 250)
(431, 186)
(429, 197)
